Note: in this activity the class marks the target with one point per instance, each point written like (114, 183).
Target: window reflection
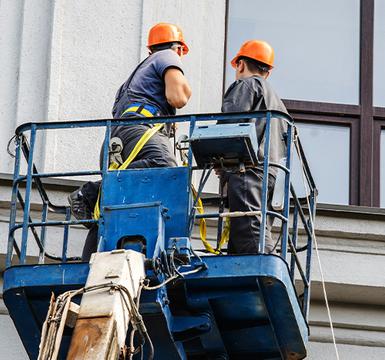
(327, 151)
(316, 44)
(379, 54)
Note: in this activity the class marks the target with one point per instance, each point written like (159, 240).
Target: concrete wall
(65, 59)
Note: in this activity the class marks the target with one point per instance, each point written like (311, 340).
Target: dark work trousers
(157, 152)
(90, 191)
(244, 191)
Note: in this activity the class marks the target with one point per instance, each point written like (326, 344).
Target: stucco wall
(66, 59)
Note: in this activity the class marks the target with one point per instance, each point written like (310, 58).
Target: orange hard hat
(258, 50)
(164, 33)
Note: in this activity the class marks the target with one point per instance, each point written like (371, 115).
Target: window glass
(379, 54)
(382, 170)
(316, 45)
(327, 151)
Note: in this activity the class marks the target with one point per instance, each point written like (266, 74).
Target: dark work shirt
(147, 84)
(253, 94)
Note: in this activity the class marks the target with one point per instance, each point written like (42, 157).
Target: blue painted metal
(60, 174)
(266, 152)
(105, 148)
(286, 205)
(161, 119)
(15, 189)
(233, 289)
(190, 157)
(294, 239)
(309, 254)
(43, 232)
(65, 235)
(126, 222)
(237, 307)
(28, 189)
(167, 186)
(27, 292)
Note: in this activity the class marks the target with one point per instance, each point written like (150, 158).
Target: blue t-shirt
(146, 85)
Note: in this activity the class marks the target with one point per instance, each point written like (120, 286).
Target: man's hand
(219, 172)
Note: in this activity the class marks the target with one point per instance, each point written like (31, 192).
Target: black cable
(198, 191)
(9, 144)
(192, 251)
(277, 242)
(166, 265)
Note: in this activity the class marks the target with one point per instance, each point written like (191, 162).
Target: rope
(318, 256)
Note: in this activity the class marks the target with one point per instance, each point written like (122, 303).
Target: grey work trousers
(244, 191)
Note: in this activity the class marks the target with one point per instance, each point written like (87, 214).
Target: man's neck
(248, 74)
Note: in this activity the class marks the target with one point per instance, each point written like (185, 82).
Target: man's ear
(241, 66)
(267, 74)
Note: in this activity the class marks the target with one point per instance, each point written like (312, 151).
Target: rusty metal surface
(94, 339)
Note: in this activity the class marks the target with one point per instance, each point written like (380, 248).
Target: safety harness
(135, 109)
(115, 162)
(146, 110)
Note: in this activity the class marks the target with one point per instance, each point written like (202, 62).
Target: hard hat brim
(235, 59)
(185, 48)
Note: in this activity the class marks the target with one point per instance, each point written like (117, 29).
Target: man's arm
(178, 91)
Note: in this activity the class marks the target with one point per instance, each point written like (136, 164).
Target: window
(327, 151)
(330, 58)
(320, 63)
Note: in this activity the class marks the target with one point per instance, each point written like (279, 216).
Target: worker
(157, 87)
(251, 92)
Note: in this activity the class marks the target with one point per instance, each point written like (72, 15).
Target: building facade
(65, 59)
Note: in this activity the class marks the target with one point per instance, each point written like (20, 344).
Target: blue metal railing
(292, 215)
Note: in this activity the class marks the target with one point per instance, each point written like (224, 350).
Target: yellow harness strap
(134, 109)
(203, 227)
(139, 146)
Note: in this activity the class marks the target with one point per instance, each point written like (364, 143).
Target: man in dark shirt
(251, 92)
(157, 87)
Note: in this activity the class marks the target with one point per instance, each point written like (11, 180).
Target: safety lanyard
(203, 227)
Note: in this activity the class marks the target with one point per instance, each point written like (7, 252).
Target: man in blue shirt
(157, 87)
